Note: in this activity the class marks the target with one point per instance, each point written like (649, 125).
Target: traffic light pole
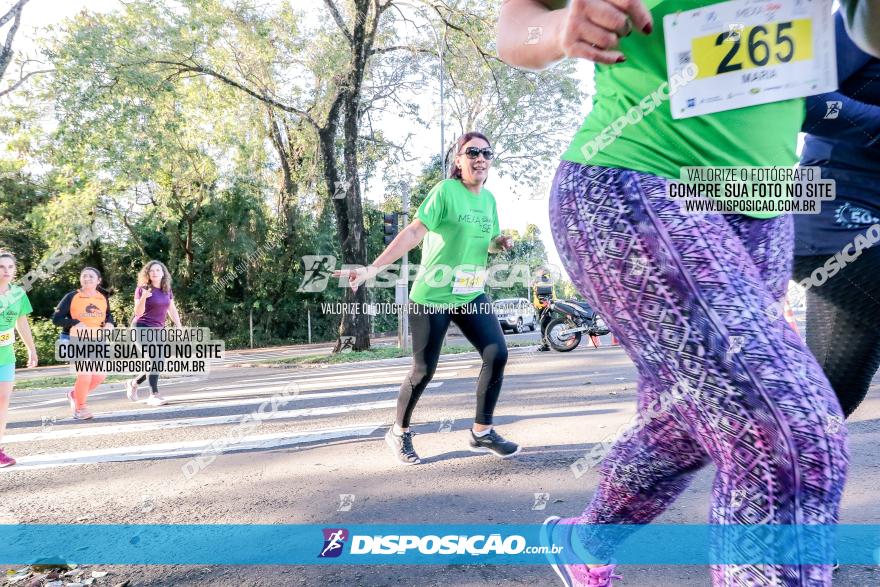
(402, 292)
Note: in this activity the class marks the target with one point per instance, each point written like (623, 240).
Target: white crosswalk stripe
(172, 407)
(348, 375)
(326, 381)
(308, 409)
(190, 448)
(280, 414)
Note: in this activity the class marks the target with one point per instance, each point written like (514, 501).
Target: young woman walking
(153, 304)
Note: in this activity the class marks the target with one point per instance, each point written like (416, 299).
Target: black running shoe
(493, 443)
(543, 348)
(403, 447)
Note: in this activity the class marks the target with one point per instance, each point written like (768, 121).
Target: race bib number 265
(749, 52)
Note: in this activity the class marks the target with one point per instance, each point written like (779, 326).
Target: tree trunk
(354, 329)
(287, 190)
(354, 241)
(14, 14)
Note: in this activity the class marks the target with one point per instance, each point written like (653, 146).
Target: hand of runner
(32, 361)
(356, 276)
(504, 243)
(593, 28)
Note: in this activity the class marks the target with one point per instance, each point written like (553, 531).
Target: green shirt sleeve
(496, 228)
(24, 308)
(433, 209)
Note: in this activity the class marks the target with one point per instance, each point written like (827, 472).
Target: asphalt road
(128, 464)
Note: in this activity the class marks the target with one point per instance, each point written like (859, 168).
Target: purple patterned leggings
(686, 295)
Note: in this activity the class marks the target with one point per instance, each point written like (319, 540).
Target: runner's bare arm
(24, 331)
(175, 315)
(501, 243)
(534, 34)
(140, 305)
(406, 240)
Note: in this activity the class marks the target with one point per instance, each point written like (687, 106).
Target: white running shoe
(156, 400)
(131, 389)
(82, 414)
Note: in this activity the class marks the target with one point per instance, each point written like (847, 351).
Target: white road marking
(115, 429)
(323, 381)
(185, 449)
(119, 388)
(399, 371)
(268, 390)
(171, 407)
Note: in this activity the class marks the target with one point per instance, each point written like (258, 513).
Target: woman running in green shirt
(459, 224)
(14, 308)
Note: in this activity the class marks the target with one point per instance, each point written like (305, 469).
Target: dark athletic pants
(843, 324)
(480, 326)
(153, 378)
(546, 318)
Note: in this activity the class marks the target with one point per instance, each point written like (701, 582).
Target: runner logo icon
(334, 541)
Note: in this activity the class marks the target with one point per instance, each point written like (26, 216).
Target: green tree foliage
(231, 140)
(527, 255)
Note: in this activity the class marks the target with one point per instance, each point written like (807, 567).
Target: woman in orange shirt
(83, 309)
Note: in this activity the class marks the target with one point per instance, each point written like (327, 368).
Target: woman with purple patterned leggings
(687, 295)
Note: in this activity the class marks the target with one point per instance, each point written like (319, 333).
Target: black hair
(103, 290)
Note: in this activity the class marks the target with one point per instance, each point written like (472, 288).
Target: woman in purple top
(153, 302)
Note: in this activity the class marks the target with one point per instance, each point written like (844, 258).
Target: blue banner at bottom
(375, 544)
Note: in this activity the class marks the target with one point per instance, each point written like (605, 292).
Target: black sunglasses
(474, 152)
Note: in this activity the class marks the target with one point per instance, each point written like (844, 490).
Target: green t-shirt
(763, 135)
(461, 225)
(13, 305)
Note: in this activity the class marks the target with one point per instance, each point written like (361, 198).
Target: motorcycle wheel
(565, 343)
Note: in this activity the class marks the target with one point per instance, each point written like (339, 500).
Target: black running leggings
(480, 326)
(153, 378)
(843, 324)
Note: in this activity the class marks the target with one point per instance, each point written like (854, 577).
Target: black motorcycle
(574, 318)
